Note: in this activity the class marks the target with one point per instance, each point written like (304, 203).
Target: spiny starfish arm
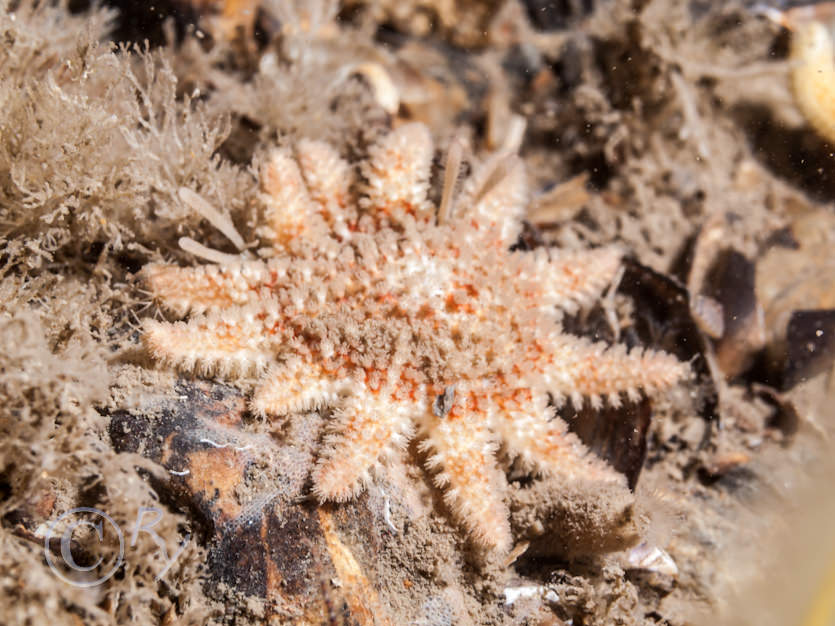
(288, 208)
(367, 428)
(574, 280)
(474, 488)
(496, 195)
(294, 386)
(551, 281)
(579, 368)
(228, 342)
(532, 433)
(397, 174)
(329, 177)
(197, 289)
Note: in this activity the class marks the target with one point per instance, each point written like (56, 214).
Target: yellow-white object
(813, 76)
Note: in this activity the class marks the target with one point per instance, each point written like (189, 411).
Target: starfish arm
(575, 279)
(289, 210)
(329, 177)
(496, 196)
(197, 289)
(579, 368)
(225, 342)
(542, 441)
(368, 427)
(397, 174)
(552, 280)
(463, 451)
(296, 385)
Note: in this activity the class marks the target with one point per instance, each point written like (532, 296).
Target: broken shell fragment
(653, 559)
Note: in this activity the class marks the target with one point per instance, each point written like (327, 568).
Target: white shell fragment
(653, 559)
(512, 594)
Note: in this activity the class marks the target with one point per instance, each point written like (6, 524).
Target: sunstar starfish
(409, 321)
